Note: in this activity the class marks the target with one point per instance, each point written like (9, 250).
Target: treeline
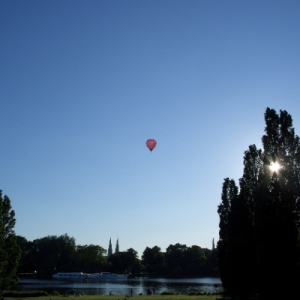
(259, 245)
(52, 254)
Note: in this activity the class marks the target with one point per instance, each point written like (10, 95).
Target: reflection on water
(104, 287)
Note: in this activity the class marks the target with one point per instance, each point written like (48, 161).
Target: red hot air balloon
(151, 144)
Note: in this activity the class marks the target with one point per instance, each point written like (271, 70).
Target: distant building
(110, 251)
(117, 246)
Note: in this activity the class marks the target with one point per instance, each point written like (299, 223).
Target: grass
(122, 297)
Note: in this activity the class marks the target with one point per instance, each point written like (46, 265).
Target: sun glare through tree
(275, 166)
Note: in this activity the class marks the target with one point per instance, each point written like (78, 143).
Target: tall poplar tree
(9, 250)
(258, 249)
(277, 208)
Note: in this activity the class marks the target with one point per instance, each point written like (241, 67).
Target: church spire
(117, 246)
(109, 252)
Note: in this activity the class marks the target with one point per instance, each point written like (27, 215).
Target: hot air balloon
(151, 143)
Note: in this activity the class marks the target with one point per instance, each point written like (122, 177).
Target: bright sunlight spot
(274, 166)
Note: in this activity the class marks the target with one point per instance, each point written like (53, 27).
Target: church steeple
(117, 246)
(109, 252)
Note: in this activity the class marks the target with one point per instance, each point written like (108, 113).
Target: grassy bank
(122, 297)
(41, 295)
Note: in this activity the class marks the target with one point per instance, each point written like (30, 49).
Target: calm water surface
(122, 287)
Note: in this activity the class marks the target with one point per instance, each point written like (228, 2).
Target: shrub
(18, 294)
(194, 293)
(55, 293)
(168, 293)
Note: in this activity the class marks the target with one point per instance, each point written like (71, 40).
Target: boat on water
(106, 275)
(80, 275)
(69, 275)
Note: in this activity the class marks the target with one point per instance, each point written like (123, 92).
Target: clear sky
(84, 84)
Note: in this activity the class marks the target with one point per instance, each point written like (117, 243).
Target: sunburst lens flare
(275, 166)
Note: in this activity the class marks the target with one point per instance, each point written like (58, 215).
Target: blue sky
(84, 84)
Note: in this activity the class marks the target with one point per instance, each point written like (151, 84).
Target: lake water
(138, 285)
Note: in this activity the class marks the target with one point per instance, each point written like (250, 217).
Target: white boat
(69, 275)
(105, 275)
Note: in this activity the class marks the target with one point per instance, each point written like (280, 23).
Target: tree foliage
(258, 249)
(153, 260)
(51, 254)
(125, 262)
(9, 250)
(90, 258)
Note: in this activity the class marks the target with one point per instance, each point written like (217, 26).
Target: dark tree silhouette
(153, 260)
(9, 249)
(258, 250)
